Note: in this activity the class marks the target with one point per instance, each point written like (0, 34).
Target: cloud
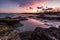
(23, 3)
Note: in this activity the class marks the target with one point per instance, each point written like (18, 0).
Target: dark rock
(46, 34)
(21, 18)
(39, 33)
(26, 35)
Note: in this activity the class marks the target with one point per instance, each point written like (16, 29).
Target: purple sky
(18, 6)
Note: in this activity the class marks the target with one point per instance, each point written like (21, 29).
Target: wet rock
(7, 33)
(39, 33)
(26, 35)
(46, 34)
(21, 18)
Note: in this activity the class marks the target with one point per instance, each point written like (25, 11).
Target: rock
(21, 18)
(26, 35)
(10, 36)
(46, 34)
(39, 33)
(7, 33)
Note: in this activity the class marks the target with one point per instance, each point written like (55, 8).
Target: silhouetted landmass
(54, 13)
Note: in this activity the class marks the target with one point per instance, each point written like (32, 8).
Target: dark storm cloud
(25, 2)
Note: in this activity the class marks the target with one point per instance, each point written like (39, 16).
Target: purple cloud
(23, 3)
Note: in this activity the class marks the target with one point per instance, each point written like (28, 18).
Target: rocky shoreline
(7, 26)
(51, 33)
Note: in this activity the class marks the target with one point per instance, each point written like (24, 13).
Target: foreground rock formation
(7, 33)
(7, 26)
(51, 33)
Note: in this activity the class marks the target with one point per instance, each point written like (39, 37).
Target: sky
(22, 6)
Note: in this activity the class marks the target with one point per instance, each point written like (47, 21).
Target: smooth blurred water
(2, 15)
(6, 15)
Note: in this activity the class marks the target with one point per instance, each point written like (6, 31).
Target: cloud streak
(23, 3)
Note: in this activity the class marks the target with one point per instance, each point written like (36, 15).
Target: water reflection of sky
(31, 24)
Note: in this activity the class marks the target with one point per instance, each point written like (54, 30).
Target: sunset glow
(21, 6)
